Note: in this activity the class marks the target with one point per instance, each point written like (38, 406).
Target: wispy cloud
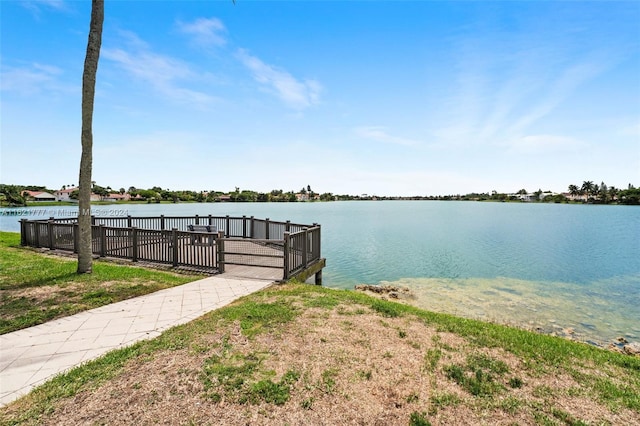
(33, 79)
(545, 144)
(379, 134)
(166, 74)
(37, 6)
(297, 94)
(206, 32)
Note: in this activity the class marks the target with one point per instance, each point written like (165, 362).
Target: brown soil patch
(355, 367)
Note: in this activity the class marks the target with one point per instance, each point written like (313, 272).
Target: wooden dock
(261, 249)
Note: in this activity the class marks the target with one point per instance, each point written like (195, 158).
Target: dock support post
(319, 277)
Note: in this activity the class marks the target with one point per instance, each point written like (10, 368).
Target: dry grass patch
(301, 356)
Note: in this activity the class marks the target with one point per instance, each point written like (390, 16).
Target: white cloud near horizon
(545, 144)
(294, 93)
(380, 134)
(206, 32)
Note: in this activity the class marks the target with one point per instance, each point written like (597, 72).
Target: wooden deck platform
(255, 248)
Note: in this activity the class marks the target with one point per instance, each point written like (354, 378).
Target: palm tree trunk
(86, 159)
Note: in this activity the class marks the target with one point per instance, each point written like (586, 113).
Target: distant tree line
(588, 192)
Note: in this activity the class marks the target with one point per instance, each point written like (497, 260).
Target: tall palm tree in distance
(587, 188)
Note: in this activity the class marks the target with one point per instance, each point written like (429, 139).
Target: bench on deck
(208, 236)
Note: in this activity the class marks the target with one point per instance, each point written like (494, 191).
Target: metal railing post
(287, 249)
(134, 241)
(220, 251)
(103, 241)
(244, 226)
(75, 237)
(174, 241)
(23, 232)
(305, 246)
(50, 233)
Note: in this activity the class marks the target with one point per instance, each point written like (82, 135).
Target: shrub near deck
(37, 288)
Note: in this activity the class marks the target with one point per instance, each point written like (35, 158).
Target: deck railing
(166, 240)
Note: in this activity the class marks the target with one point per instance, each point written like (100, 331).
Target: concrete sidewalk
(34, 355)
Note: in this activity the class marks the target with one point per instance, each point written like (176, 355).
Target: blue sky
(387, 98)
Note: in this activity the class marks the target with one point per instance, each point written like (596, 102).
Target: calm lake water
(547, 266)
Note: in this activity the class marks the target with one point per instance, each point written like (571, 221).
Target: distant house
(302, 197)
(577, 197)
(64, 194)
(117, 197)
(223, 198)
(38, 195)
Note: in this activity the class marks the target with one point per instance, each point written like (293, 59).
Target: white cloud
(534, 144)
(293, 92)
(29, 80)
(206, 32)
(36, 6)
(379, 134)
(166, 74)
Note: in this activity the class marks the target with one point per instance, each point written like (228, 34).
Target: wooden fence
(166, 240)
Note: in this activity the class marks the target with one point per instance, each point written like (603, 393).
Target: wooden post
(50, 233)
(287, 249)
(220, 251)
(319, 277)
(134, 240)
(174, 240)
(103, 241)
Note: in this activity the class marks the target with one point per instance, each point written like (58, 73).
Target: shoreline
(406, 295)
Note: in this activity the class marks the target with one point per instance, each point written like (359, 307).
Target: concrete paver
(31, 356)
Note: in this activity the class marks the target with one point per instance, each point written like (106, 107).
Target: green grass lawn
(36, 288)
